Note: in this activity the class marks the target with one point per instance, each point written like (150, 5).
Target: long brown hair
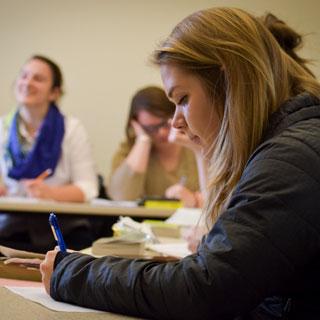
(57, 77)
(248, 75)
(288, 38)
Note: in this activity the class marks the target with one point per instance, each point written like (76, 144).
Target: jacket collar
(298, 108)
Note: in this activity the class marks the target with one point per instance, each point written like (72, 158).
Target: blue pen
(53, 221)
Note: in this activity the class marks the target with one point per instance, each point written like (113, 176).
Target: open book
(23, 265)
(14, 253)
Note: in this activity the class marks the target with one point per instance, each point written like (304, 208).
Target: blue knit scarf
(45, 152)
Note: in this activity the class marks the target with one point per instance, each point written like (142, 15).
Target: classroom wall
(103, 48)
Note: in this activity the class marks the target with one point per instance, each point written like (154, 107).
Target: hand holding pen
(183, 181)
(46, 267)
(45, 174)
(53, 221)
(181, 192)
(3, 190)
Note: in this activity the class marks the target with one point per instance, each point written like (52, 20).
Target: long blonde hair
(248, 76)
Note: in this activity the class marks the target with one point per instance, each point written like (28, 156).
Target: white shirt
(75, 166)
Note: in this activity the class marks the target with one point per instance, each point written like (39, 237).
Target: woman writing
(256, 112)
(45, 155)
(290, 41)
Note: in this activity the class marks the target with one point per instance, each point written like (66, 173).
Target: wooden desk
(40, 206)
(19, 283)
(15, 307)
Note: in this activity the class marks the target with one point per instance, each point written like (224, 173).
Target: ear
(55, 94)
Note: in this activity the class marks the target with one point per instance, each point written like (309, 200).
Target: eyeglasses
(153, 129)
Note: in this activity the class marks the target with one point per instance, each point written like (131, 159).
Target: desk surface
(40, 206)
(15, 307)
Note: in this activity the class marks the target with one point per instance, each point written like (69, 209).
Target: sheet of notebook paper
(38, 295)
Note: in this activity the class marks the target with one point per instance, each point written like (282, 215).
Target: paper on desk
(113, 203)
(176, 249)
(39, 295)
(16, 199)
(186, 217)
(14, 253)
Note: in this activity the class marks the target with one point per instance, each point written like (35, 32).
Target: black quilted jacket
(261, 260)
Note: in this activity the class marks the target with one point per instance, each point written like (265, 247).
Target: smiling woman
(44, 154)
(38, 84)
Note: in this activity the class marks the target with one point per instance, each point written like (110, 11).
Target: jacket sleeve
(125, 184)
(267, 235)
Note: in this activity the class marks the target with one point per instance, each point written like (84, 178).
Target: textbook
(14, 253)
(23, 265)
(118, 246)
(19, 271)
(164, 229)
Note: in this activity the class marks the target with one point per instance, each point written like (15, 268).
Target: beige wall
(103, 48)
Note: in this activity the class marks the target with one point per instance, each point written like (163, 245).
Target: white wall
(103, 48)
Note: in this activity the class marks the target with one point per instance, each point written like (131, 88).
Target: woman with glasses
(147, 164)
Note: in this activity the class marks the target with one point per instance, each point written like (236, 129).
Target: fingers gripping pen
(53, 221)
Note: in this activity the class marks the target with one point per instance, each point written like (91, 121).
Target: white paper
(176, 249)
(112, 203)
(39, 295)
(186, 217)
(14, 253)
(16, 199)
